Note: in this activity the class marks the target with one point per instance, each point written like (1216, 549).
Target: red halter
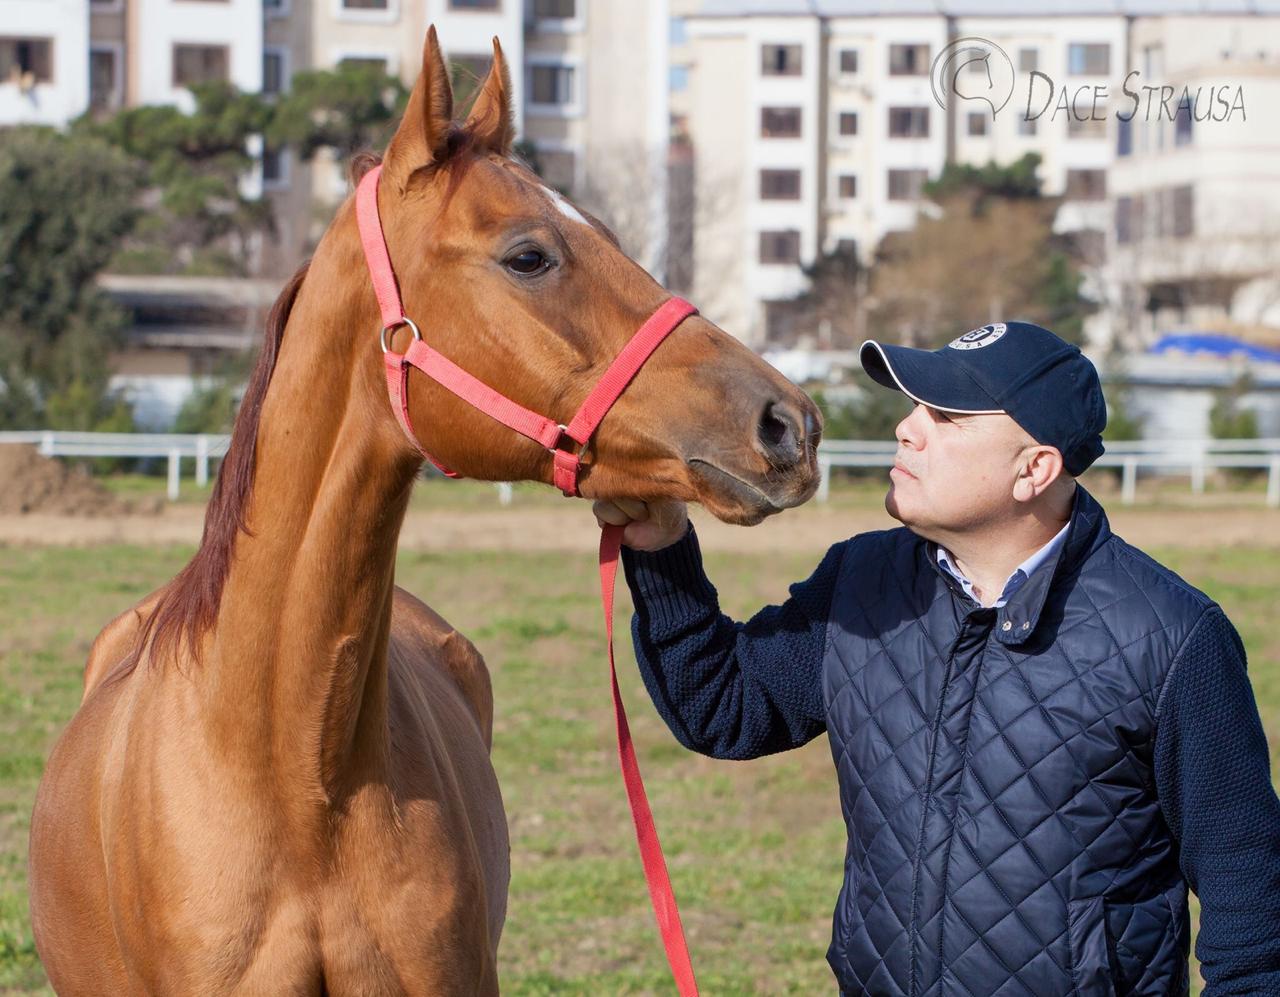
(545, 432)
(565, 467)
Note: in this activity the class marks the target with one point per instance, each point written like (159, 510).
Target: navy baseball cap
(1046, 385)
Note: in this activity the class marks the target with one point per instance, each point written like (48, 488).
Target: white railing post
(46, 443)
(1273, 482)
(824, 479)
(504, 492)
(202, 460)
(175, 461)
(1198, 472)
(1129, 484)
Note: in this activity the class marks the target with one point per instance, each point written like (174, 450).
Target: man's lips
(902, 469)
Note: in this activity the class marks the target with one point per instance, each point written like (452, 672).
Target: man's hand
(648, 526)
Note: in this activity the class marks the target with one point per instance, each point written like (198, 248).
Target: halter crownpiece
(552, 435)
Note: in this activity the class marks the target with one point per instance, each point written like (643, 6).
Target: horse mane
(189, 604)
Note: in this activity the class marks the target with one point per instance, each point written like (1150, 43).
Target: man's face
(954, 472)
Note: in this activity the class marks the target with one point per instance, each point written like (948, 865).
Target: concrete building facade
(834, 148)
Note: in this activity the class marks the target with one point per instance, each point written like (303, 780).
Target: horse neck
(300, 644)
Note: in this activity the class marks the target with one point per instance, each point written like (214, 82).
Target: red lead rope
(655, 866)
(565, 474)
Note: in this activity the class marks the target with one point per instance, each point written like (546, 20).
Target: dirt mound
(30, 483)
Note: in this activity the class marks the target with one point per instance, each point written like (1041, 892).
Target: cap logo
(980, 337)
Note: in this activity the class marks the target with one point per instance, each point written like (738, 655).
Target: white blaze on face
(565, 208)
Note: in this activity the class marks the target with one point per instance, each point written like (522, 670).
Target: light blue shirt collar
(1020, 574)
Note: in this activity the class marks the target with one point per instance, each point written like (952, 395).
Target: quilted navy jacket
(1027, 790)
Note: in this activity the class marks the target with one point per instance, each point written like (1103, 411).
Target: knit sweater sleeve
(1213, 778)
(729, 689)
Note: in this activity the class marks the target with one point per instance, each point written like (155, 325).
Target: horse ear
(424, 129)
(491, 121)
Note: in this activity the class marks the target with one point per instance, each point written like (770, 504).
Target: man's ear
(1038, 468)
(424, 130)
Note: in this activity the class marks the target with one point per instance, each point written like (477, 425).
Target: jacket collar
(1018, 619)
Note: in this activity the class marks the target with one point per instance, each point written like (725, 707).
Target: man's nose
(906, 431)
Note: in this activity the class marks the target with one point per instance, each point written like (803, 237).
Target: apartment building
(44, 72)
(831, 111)
(1194, 234)
(597, 109)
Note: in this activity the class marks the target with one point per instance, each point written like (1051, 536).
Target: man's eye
(528, 263)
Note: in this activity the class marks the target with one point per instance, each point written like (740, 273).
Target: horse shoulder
(115, 641)
(413, 621)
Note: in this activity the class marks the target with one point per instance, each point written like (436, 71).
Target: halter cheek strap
(566, 462)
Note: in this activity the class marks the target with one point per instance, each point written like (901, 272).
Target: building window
(848, 60)
(275, 6)
(779, 122)
(908, 122)
(275, 167)
(1027, 126)
(677, 31)
(194, 64)
(1086, 185)
(366, 4)
(559, 168)
(780, 247)
(274, 77)
(848, 122)
(474, 4)
(977, 123)
(848, 186)
(1028, 60)
(906, 185)
(678, 79)
(780, 60)
(554, 10)
(1124, 136)
(908, 60)
(847, 248)
(1182, 203)
(552, 85)
(1088, 59)
(1183, 123)
(26, 58)
(1086, 128)
(104, 92)
(779, 185)
(1124, 220)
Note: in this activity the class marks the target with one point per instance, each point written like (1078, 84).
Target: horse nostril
(780, 435)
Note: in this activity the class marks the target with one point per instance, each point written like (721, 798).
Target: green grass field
(755, 848)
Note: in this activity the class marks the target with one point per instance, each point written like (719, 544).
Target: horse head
(534, 297)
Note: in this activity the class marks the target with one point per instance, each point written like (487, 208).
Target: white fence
(1194, 458)
(172, 446)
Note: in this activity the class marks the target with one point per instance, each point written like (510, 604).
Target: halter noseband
(552, 435)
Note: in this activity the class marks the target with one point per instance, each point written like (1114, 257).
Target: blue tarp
(1215, 345)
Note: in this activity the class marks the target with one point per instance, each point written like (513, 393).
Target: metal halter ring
(404, 320)
(564, 434)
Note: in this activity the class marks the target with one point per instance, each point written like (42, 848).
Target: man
(1041, 735)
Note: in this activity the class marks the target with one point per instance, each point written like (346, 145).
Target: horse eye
(528, 263)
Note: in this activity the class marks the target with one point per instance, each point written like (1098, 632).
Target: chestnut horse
(278, 781)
